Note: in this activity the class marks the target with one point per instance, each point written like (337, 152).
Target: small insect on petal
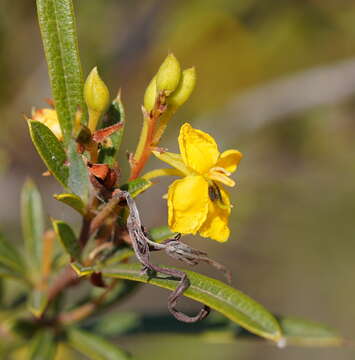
(214, 193)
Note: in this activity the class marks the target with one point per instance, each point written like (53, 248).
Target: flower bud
(97, 97)
(49, 118)
(168, 75)
(185, 88)
(150, 95)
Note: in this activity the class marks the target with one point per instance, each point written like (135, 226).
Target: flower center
(214, 193)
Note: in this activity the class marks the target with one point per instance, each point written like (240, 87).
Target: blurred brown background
(276, 80)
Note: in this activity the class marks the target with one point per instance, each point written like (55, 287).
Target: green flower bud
(150, 95)
(185, 88)
(96, 93)
(168, 75)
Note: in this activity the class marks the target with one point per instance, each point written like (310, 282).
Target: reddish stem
(138, 164)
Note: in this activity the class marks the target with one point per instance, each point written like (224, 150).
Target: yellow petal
(49, 118)
(199, 151)
(216, 224)
(229, 160)
(172, 159)
(187, 204)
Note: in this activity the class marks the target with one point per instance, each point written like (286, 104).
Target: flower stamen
(216, 174)
(221, 170)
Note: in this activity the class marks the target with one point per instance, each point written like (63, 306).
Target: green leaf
(157, 234)
(78, 181)
(11, 262)
(82, 270)
(37, 302)
(137, 186)
(116, 114)
(114, 324)
(67, 238)
(95, 347)
(161, 233)
(50, 149)
(58, 29)
(43, 346)
(2, 288)
(119, 256)
(232, 303)
(73, 201)
(32, 222)
(302, 332)
(5, 272)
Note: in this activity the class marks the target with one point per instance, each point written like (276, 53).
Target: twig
(85, 231)
(87, 309)
(64, 280)
(144, 149)
(104, 213)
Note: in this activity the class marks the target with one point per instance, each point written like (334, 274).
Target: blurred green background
(276, 80)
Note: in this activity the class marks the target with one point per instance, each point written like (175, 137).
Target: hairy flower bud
(185, 88)
(97, 97)
(168, 75)
(150, 95)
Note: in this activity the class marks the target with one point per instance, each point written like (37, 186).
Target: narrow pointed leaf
(114, 324)
(37, 301)
(160, 233)
(32, 222)
(73, 201)
(95, 347)
(64, 352)
(232, 303)
(43, 346)
(119, 256)
(78, 181)
(67, 238)
(2, 290)
(50, 150)
(82, 270)
(301, 332)
(5, 272)
(58, 28)
(116, 115)
(137, 186)
(11, 262)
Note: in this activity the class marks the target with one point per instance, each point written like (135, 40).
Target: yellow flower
(198, 202)
(49, 118)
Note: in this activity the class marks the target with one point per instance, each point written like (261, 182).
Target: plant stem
(87, 309)
(64, 280)
(89, 226)
(141, 161)
(144, 148)
(85, 231)
(107, 210)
